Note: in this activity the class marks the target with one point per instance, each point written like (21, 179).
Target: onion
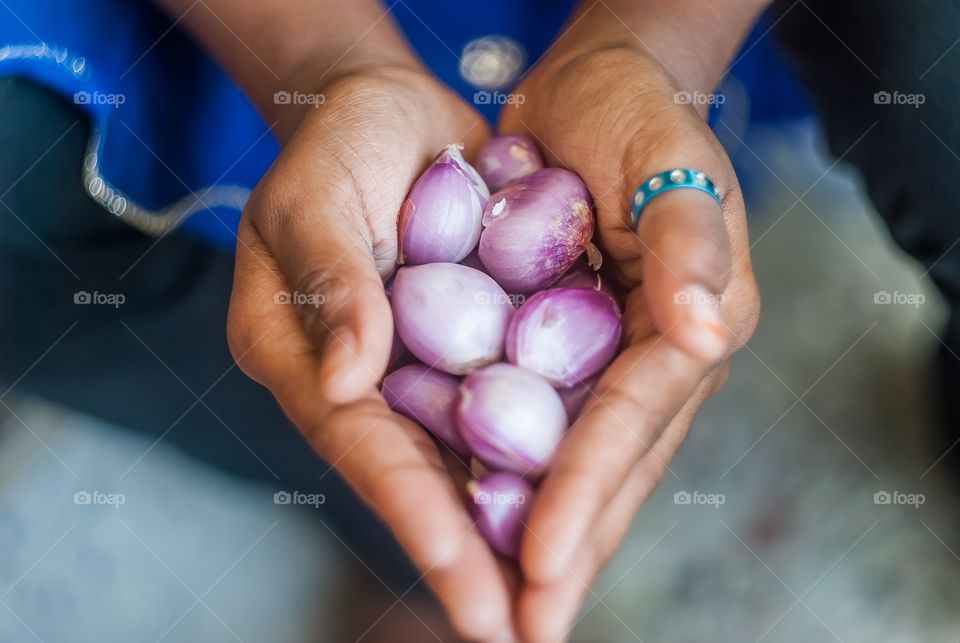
(511, 419)
(429, 397)
(535, 229)
(507, 158)
(565, 334)
(501, 504)
(441, 218)
(449, 316)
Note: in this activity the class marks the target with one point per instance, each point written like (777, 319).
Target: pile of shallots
(508, 323)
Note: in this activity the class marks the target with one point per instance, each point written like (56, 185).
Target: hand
(609, 114)
(322, 224)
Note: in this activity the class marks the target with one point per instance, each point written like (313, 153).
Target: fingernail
(703, 310)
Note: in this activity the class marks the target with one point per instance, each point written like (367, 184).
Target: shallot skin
(450, 316)
(506, 158)
(511, 418)
(440, 220)
(535, 229)
(429, 397)
(501, 505)
(566, 335)
(581, 275)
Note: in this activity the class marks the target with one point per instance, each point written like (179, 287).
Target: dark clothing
(141, 364)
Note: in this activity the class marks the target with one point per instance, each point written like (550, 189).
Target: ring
(672, 180)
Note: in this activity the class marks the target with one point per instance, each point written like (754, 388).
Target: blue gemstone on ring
(672, 180)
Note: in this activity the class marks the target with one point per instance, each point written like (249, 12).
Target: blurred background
(811, 501)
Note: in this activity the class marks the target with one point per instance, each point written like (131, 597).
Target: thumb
(327, 263)
(685, 250)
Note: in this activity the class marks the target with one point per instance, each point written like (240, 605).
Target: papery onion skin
(566, 335)
(450, 316)
(506, 158)
(429, 397)
(511, 419)
(535, 229)
(440, 220)
(501, 505)
(582, 275)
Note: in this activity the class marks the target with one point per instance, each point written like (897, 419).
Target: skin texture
(323, 221)
(674, 354)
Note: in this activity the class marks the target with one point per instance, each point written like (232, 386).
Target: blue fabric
(172, 124)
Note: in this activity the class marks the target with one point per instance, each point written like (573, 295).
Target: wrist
(274, 49)
(694, 41)
(312, 83)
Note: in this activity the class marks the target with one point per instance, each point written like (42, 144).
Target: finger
(637, 397)
(379, 453)
(547, 612)
(332, 283)
(414, 497)
(686, 259)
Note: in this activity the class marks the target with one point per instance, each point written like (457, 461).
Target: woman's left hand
(611, 115)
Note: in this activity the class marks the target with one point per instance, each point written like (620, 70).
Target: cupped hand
(309, 318)
(611, 115)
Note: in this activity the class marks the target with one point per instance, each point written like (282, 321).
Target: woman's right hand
(322, 226)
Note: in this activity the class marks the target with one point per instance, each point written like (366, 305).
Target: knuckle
(275, 206)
